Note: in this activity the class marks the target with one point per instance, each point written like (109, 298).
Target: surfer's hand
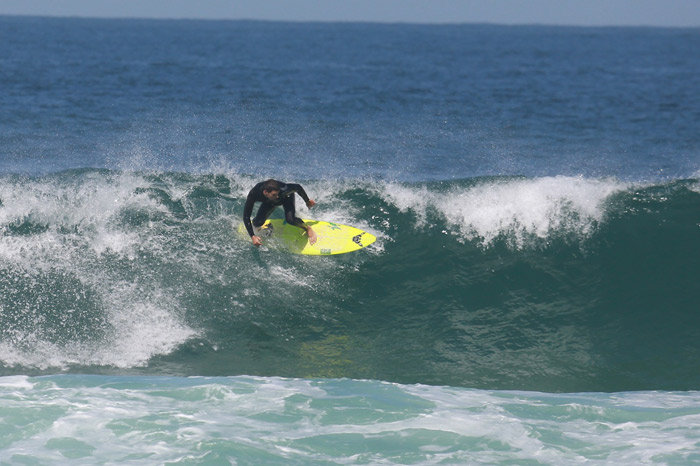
(311, 203)
(256, 240)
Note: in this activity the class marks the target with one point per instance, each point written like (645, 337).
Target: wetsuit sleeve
(296, 188)
(248, 211)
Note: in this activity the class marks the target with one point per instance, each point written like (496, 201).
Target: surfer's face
(272, 195)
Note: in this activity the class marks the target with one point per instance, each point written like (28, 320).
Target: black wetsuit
(286, 199)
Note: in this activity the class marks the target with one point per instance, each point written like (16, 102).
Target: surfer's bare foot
(312, 235)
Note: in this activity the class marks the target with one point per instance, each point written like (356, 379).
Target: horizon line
(347, 21)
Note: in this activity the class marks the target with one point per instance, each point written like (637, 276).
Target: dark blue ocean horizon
(317, 101)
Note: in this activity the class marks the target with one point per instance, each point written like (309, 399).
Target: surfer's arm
(247, 212)
(296, 188)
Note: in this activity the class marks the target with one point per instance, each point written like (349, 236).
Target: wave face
(550, 284)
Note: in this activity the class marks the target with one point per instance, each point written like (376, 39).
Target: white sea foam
(79, 237)
(516, 210)
(696, 185)
(139, 331)
(281, 421)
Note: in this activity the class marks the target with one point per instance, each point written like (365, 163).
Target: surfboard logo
(358, 239)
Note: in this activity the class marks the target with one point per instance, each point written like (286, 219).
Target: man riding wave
(271, 194)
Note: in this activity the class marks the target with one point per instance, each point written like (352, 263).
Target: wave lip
(517, 210)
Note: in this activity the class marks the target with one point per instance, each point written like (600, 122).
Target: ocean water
(532, 297)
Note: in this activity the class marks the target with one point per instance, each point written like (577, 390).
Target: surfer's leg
(292, 219)
(290, 212)
(263, 213)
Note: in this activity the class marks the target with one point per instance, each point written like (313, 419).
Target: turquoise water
(255, 420)
(531, 297)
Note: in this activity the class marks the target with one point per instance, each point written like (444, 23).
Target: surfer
(273, 193)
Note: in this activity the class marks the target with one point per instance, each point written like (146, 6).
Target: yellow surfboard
(332, 238)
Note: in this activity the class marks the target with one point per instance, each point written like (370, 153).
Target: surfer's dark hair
(271, 185)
